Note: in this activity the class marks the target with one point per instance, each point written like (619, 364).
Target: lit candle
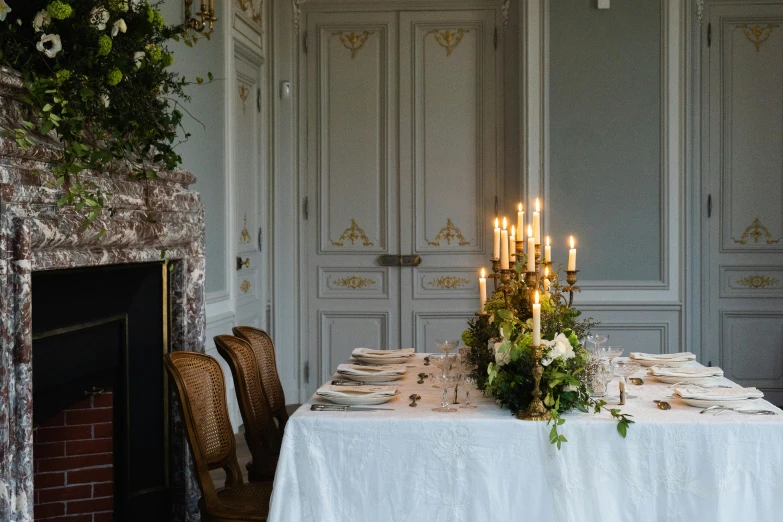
(536, 322)
(483, 289)
(520, 219)
(547, 283)
(512, 245)
(504, 246)
(548, 250)
(537, 222)
(496, 251)
(572, 256)
(531, 250)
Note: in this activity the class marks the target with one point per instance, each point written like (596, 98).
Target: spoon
(427, 361)
(663, 405)
(422, 376)
(414, 397)
(636, 380)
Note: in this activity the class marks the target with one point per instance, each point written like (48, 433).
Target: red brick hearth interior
(73, 455)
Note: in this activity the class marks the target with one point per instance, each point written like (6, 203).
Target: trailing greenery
(500, 347)
(96, 74)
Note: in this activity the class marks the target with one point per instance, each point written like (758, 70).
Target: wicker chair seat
(244, 502)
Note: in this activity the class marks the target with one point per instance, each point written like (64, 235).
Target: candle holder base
(536, 411)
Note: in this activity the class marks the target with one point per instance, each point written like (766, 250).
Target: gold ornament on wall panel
(245, 286)
(353, 233)
(757, 34)
(449, 282)
(448, 233)
(250, 9)
(756, 230)
(448, 39)
(244, 236)
(353, 41)
(354, 282)
(757, 281)
(244, 92)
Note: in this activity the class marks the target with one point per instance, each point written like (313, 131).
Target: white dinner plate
(727, 402)
(647, 363)
(359, 400)
(371, 378)
(382, 360)
(686, 380)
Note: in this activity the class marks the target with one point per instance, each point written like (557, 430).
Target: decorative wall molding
(756, 230)
(699, 11)
(353, 41)
(353, 233)
(448, 233)
(354, 282)
(448, 39)
(448, 282)
(504, 10)
(757, 34)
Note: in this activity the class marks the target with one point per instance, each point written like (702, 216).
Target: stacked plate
(727, 397)
(686, 375)
(365, 373)
(357, 395)
(370, 356)
(673, 360)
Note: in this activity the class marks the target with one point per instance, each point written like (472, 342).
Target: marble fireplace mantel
(151, 217)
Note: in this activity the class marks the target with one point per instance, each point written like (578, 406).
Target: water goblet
(444, 362)
(611, 353)
(602, 376)
(447, 345)
(470, 382)
(447, 382)
(597, 341)
(625, 369)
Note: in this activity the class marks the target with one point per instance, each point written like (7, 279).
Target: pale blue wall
(605, 136)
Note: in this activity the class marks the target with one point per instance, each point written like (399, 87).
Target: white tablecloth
(413, 464)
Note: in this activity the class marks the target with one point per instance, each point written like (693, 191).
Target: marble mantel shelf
(150, 218)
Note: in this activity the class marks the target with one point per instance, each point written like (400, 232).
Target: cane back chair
(261, 432)
(202, 395)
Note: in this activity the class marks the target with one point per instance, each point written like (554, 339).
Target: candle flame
(497, 223)
(572, 241)
(483, 273)
(530, 231)
(520, 207)
(513, 231)
(538, 205)
(505, 224)
(537, 297)
(548, 241)
(546, 272)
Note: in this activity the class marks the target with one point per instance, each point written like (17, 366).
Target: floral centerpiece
(97, 78)
(509, 363)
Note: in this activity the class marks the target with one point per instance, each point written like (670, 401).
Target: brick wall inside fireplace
(73, 463)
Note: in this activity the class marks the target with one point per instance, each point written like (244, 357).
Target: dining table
(409, 463)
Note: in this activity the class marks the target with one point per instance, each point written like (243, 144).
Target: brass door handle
(392, 260)
(240, 263)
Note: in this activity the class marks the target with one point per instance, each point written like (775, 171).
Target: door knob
(392, 260)
(240, 263)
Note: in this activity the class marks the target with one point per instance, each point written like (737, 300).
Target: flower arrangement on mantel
(500, 348)
(96, 75)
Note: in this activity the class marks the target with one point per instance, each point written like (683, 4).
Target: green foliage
(109, 114)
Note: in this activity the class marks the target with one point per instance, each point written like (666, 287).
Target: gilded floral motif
(756, 230)
(448, 233)
(448, 39)
(355, 282)
(757, 281)
(353, 233)
(449, 282)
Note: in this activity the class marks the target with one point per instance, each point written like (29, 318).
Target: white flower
(55, 44)
(560, 347)
(4, 10)
(19, 22)
(105, 100)
(501, 358)
(138, 58)
(118, 27)
(99, 17)
(124, 6)
(41, 20)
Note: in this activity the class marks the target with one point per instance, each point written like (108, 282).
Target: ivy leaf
(622, 429)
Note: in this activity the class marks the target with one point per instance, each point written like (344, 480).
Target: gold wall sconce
(204, 26)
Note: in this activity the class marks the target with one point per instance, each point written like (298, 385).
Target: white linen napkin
(358, 369)
(372, 353)
(673, 357)
(334, 390)
(738, 393)
(697, 371)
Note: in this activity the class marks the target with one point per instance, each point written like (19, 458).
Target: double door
(402, 118)
(743, 177)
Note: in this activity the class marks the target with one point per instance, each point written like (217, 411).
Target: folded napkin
(697, 371)
(738, 393)
(673, 357)
(358, 369)
(370, 353)
(335, 390)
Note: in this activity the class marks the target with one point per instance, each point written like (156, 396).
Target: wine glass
(446, 383)
(446, 345)
(470, 381)
(625, 369)
(611, 353)
(597, 341)
(444, 362)
(601, 378)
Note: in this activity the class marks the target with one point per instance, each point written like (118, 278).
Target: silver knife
(337, 407)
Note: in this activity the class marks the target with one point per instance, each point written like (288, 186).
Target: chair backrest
(264, 350)
(202, 393)
(260, 430)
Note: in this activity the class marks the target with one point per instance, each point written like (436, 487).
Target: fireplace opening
(100, 395)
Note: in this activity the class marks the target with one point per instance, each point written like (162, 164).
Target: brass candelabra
(536, 411)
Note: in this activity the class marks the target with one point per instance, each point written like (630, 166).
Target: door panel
(447, 167)
(352, 185)
(744, 176)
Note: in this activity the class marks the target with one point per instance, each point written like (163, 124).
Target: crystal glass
(446, 384)
(446, 345)
(444, 363)
(611, 352)
(470, 382)
(601, 378)
(625, 369)
(596, 341)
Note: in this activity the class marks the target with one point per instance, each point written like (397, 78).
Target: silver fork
(722, 409)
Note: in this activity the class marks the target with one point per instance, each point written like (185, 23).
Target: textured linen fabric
(413, 464)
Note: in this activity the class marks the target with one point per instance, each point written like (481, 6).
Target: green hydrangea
(118, 5)
(59, 10)
(63, 75)
(114, 77)
(168, 60)
(154, 53)
(104, 45)
(154, 17)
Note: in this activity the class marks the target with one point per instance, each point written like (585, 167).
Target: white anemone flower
(118, 27)
(41, 20)
(105, 100)
(49, 44)
(99, 17)
(138, 58)
(561, 347)
(4, 10)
